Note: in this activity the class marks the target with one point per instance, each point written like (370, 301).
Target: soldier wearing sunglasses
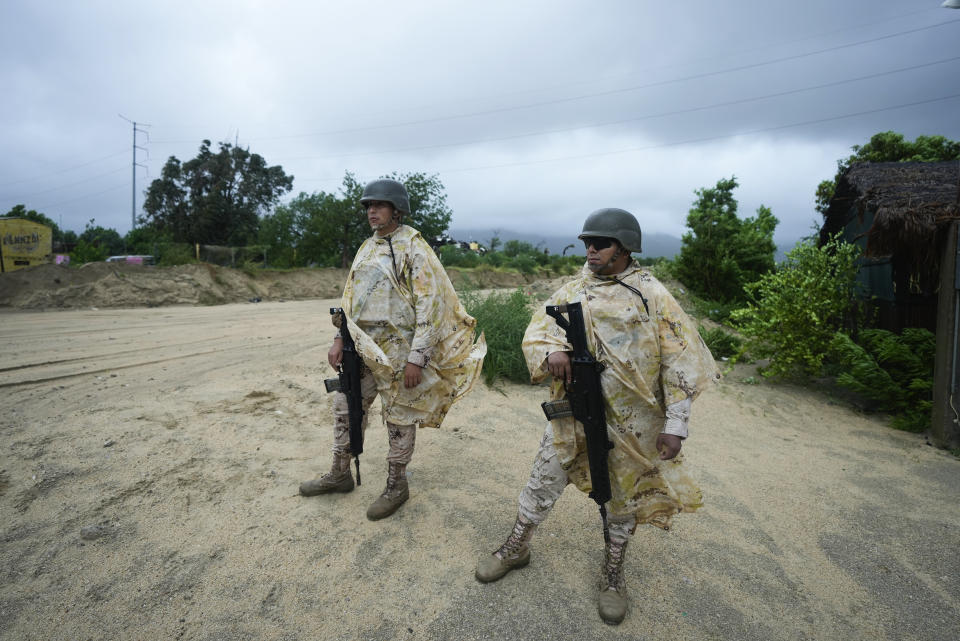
(654, 364)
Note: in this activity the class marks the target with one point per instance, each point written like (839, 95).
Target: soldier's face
(380, 216)
(601, 261)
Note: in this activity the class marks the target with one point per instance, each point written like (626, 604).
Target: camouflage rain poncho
(653, 359)
(415, 317)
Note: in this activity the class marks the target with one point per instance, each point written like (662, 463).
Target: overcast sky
(532, 114)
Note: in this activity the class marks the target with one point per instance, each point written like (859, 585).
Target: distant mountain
(653, 244)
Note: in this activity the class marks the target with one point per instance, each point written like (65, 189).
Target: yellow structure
(24, 243)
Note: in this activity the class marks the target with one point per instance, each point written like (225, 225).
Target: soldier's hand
(412, 375)
(669, 446)
(335, 355)
(558, 364)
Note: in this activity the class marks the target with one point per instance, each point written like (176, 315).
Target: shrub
(503, 317)
(722, 343)
(85, 252)
(796, 310)
(453, 256)
(893, 373)
(524, 263)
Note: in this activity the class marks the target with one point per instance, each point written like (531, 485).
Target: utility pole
(133, 194)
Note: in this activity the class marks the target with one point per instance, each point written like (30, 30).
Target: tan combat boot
(514, 553)
(338, 479)
(612, 602)
(396, 493)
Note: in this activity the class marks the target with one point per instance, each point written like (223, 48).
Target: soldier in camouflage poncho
(655, 365)
(415, 338)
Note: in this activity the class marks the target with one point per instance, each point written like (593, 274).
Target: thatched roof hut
(905, 216)
(897, 210)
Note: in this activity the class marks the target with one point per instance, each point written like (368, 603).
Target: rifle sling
(635, 291)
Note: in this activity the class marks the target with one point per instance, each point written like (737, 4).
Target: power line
(70, 200)
(62, 171)
(708, 138)
(73, 184)
(664, 114)
(660, 83)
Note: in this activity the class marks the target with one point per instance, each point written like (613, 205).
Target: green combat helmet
(611, 222)
(389, 191)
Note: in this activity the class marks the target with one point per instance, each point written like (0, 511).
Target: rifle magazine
(557, 409)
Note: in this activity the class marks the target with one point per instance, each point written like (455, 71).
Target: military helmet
(389, 191)
(611, 222)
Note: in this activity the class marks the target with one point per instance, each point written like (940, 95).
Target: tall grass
(503, 317)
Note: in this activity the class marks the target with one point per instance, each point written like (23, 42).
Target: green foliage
(453, 256)
(795, 311)
(96, 243)
(894, 373)
(523, 263)
(429, 212)
(722, 253)
(722, 343)
(714, 310)
(327, 229)
(889, 146)
(517, 255)
(148, 240)
(514, 248)
(503, 317)
(215, 198)
(85, 252)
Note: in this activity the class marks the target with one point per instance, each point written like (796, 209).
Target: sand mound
(112, 285)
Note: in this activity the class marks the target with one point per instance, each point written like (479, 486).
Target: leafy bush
(722, 343)
(86, 252)
(523, 263)
(453, 256)
(503, 317)
(722, 252)
(894, 373)
(796, 310)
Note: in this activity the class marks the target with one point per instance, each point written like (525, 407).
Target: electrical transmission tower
(133, 198)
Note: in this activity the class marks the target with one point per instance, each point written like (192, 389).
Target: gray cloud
(532, 113)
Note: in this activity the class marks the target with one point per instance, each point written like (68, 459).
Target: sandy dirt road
(148, 490)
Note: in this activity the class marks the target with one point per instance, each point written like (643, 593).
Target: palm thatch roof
(911, 204)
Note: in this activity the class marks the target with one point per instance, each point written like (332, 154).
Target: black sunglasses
(599, 242)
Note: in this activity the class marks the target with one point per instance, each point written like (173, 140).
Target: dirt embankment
(113, 285)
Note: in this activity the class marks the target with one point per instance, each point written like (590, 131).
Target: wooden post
(945, 429)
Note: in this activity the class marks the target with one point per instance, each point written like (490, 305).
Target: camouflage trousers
(401, 437)
(547, 482)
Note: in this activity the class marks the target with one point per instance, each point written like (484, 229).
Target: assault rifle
(584, 402)
(348, 382)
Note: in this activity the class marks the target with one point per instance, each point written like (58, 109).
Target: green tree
(429, 212)
(107, 239)
(329, 228)
(889, 146)
(722, 253)
(794, 311)
(216, 198)
(148, 240)
(96, 243)
(325, 229)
